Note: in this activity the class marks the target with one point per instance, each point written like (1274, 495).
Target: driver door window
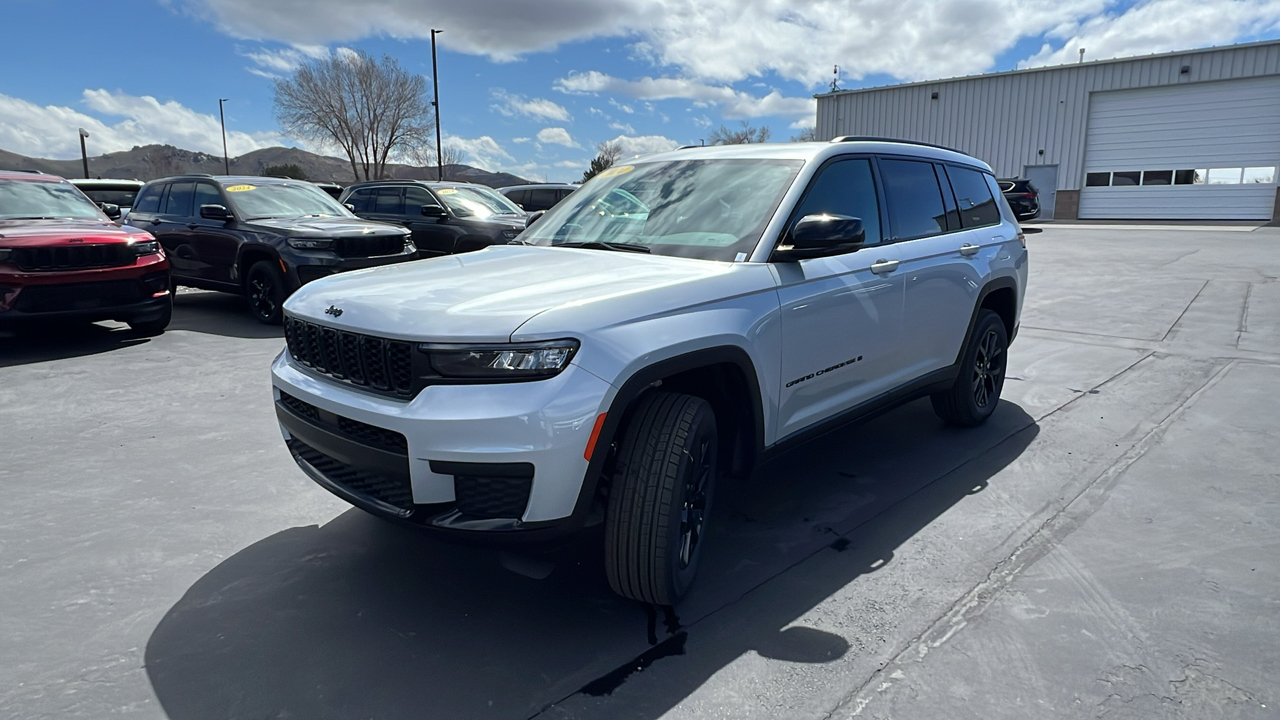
(845, 188)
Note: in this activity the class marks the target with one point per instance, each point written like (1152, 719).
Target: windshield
(123, 198)
(477, 202)
(21, 199)
(282, 201)
(710, 209)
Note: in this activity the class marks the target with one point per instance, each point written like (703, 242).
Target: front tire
(265, 290)
(149, 328)
(660, 500)
(976, 391)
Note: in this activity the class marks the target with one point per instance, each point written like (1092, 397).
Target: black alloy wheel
(693, 513)
(265, 291)
(988, 368)
(976, 391)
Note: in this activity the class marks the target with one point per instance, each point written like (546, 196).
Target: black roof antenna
(835, 81)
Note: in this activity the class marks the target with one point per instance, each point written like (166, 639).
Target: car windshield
(280, 200)
(709, 209)
(122, 197)
(40, 199)
(477, 202)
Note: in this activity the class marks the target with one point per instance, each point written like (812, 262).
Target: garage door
(1196, 151)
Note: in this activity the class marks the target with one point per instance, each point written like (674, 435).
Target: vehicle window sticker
(615, 171)
(241, 188)
(447, 191)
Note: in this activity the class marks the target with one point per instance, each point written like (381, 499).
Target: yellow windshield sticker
(447, 191)
(616, 171)
(240, 188)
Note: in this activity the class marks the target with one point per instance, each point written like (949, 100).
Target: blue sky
(532, 87)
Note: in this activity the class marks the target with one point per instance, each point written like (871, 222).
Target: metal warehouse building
(1186, 135)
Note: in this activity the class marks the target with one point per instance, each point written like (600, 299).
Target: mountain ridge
(147, 162)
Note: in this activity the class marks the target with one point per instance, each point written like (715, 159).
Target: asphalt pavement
(1105, 546)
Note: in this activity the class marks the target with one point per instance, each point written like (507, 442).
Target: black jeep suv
(263, 237)
(445, 217)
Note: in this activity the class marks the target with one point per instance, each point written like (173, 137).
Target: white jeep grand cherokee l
(657, 332)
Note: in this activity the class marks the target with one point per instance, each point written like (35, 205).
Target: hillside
(152, 161)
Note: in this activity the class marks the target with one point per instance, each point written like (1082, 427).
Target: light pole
(84, 155)
(435, 89)
(226, 164)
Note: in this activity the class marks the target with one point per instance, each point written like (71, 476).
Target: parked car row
(261, 237)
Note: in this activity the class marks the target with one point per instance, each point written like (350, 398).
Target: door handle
(156, 221)
(192, 226)
(884, 267)
(967, 249)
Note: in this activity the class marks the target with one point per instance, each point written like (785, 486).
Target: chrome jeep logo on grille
(334, 310)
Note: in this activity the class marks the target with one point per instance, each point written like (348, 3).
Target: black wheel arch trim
(641, 381)
(1003, 282)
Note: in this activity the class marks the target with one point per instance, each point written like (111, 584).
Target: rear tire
(264, 288)
(976, 391)
(660, 500)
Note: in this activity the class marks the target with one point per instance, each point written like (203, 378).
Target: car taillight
(1022, 238)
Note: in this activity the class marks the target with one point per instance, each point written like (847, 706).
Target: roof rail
(686, 147)
(869, 138)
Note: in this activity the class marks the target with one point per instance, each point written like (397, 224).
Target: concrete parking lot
(1105, 546)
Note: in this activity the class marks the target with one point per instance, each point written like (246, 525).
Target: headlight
(310, 243)
(146, 247)
(514, 360)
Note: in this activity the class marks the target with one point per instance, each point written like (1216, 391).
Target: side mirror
(534, 217)
(349, 206)
(434, 211)
(821, 236)
(111, 210)
(215, 212)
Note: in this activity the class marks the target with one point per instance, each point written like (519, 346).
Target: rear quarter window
(977, 206)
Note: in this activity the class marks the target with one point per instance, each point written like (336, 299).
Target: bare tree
(607, 153)
(745, 134)
(371, 109)
(424, 156)
(806, 135)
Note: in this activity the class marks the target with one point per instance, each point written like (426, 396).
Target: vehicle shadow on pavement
(359, 618)
(61, 341)
(217, 313)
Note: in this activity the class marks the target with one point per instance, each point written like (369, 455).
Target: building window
(1157, 177)
(1128, 177)
(1224, 176)
(1189, 177)
(1099, 179)
(1259, 175)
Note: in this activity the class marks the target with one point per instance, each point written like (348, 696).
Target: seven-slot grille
(369, 246)
(73, 257)
(374, 363)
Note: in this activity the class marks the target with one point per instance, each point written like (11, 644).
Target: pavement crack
(1061, 523)
(1184, 311)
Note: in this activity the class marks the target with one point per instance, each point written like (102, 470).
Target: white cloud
(633, 146)
(624, 108)
(536, 108)
(623, 128)
(556, 136)
(483, 152)
(573, 164)
(1158, 26)
(521, 140)
(733, 104)
(51, 130)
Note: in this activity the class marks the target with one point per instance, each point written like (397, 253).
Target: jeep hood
(485, 296)
(40, 233)
(327, 227)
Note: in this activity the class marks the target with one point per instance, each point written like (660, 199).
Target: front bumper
(514, 449)
(133, 293)
(308, 265)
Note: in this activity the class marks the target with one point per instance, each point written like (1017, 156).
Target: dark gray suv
(445, 217)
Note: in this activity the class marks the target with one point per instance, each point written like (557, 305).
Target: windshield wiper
(601, 245)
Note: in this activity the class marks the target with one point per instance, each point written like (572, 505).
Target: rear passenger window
(519, 197)
(915, 200)
(847, 188)
(388, 202)
(148, 200)
(542, 199)
(977, 206)
(179, 200)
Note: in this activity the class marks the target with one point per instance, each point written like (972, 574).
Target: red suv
(62, 258)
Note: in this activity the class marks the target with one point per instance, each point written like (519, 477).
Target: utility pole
(435, 89)
(84, 155)
(226, 163)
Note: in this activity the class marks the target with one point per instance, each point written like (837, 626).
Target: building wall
(1007, 118)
